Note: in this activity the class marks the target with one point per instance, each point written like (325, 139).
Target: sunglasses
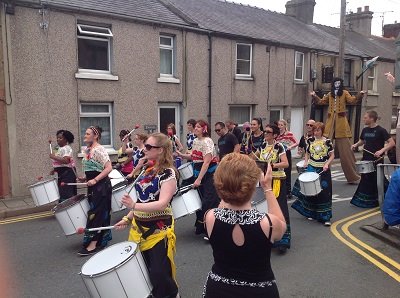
(217, 130)
(268, 131)
(149, 147)
(310, 125)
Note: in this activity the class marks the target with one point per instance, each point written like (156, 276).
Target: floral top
(287, 139)
(272, 154)
(200, 149)
(148, 190)
(65, 151)
(318, 151)
(95, 160)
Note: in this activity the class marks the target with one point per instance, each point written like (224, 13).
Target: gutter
(209, 77)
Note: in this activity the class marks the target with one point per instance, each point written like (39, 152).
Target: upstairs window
(167, 56)
(244, 53)
(94, 45)
(299, 66)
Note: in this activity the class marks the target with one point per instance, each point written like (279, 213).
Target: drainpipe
(209, 76)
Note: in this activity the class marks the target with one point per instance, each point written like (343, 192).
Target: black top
(256, 142)
(303, 142)
(249, 262)
(237, 133)
(374, 140)
(226, 144)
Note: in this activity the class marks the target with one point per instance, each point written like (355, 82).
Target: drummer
(64, 165)
(274, 153)
(176, 144)
(301, 149)
(125, 164)
(377, 141)
(204, 166)
(97, 166)
(319, 157)
(151, 216)
(138, 154)
(190, 136)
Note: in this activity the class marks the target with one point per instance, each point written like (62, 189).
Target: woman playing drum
(319, 157)
(204, 166)
(274, 153)
(151, 216)
(138, 154)
(125, 164)
(242, 237)
(63, 164)
(97, 166)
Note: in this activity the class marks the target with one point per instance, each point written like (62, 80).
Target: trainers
(84, 252)
(206, 238)
(310, 218)
(327, 224)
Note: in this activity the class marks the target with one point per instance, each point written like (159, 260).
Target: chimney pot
(366, 8)
(358, 9)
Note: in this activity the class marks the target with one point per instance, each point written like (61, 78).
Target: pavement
(373, 226)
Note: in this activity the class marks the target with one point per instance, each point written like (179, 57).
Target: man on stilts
(337, 127)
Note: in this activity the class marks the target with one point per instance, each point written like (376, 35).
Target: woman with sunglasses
(96, 164)
(204, 166)
(287, 139)
(151, 216)
(301, 151)
(257, 135)
(274, 153)
(319, 156)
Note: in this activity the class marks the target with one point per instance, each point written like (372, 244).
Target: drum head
(70, 202)
(300, 164)
(184, 166)
(41, 182)
(308, 177)
(109, 258)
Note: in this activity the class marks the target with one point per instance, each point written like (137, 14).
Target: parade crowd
(226, 175)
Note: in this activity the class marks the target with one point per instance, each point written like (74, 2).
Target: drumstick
(136, 127)
(368, 152)
(74, 183)
(51, 149)
(83, 230)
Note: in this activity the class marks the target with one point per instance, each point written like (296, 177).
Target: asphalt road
(44, 262)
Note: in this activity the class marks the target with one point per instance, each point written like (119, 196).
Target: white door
(296, 124)
(168, 113)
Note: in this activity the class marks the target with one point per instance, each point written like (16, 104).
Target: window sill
(110, 151)
(372, 93)
(298, 82)
(242, 78)
(396, 94)
(96, 76)
(170, 80)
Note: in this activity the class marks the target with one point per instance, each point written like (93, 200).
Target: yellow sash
(145, 244)
(276, 187)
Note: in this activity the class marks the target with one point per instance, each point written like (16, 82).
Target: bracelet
(127, 219)
(269, 189)
(95, 180)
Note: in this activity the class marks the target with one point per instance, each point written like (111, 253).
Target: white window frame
(374, 81)
(242, 106)
(276, 109)
(177, 117)
(250, 61)
(172, 49)
(96, 36)
(296, 66)
(102, 114)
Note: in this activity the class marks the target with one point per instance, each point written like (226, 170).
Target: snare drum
(117, 271)
(117, 194)
(116, 177)
(44, 192)
(300, 167)
(186, 171)
(260, 205)
(365, 166)
(186, 203)
(310, 184)
(72, 213)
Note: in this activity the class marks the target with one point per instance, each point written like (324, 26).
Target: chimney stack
(391, 30)
(303, 10)
(360, 21)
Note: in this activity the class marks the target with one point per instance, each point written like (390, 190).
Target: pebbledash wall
(46, 94)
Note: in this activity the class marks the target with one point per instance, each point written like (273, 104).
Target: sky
(327, 12)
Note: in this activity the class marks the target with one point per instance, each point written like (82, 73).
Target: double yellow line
(374, 256)
(25, 218)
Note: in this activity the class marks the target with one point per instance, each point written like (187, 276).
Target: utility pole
(342, 38)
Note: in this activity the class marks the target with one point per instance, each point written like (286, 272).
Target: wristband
(269, 189)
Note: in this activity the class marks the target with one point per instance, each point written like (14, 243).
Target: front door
(168, 113)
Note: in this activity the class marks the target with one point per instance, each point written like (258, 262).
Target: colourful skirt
(366, 195)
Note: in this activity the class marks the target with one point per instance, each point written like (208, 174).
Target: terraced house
(71, 64)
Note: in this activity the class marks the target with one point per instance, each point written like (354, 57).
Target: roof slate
(145, 9)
